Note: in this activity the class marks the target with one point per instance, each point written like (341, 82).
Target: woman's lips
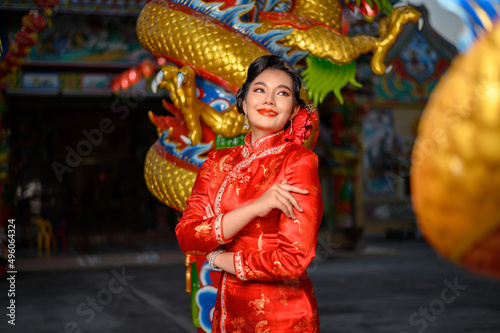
(267, 112)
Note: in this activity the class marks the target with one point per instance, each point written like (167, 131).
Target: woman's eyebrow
(261, 83)
(280, 86)
(284, 86)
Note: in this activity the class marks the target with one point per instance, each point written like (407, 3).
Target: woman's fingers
(291, 188)
(285, 206)
(279, 196)
(291, 198)
(294, 202)
(287, 202)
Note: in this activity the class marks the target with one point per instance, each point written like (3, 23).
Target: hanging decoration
(455, 174)
(32, 24)
(133, 75)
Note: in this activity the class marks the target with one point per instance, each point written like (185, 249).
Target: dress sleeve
(296, 238)
(195, 234)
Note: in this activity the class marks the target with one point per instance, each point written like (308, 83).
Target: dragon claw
(186, 140)
(156, 81)
(180, 79)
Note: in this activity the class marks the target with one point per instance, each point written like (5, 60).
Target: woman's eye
(283, 93)
(258, 90)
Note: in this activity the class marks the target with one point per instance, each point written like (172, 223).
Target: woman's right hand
(279, 196)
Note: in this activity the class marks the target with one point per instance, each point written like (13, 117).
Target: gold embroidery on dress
(257, 274)
(203, 230)
(289, 288)
(315, 161)
(205, 173)
(280, 270)
(300, 226)
(313, 190)
(259, 303)
(220, 169)
(195, 253)
(259, 328)
(223, 166)
(306, 325)
(282, 290)
(236, 178)
(261, 242)
(238, 324)
(231, 289)
(269, 174)
(253, 273)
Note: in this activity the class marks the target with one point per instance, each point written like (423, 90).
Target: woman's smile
(267, 112)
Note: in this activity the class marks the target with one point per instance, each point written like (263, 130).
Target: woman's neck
(256, 135)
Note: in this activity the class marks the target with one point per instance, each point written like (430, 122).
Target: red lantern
(20, 51)
(8, 60)
(147, 68)
(115, 85)
(18, 60)
(24, 38)
(133, 76)
(124, 81)
(33, 22)
(161, 61)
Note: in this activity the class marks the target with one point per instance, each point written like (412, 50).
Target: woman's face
(269, 102)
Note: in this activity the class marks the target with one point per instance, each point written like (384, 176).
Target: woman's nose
(268, 99)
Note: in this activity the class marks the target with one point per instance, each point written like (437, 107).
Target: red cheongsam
(271, 291)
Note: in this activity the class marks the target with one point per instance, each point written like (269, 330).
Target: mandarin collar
(266, 142)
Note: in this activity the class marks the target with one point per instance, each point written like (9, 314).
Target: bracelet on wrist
(212, 259)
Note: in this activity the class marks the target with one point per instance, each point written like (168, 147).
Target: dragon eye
(220, 104)
(200, 93)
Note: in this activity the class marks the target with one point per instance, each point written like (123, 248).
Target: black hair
(258, 66)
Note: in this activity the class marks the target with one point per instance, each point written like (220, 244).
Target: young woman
(255, 210)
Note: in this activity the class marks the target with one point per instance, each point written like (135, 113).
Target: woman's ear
(295, 109)
(244, 106)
